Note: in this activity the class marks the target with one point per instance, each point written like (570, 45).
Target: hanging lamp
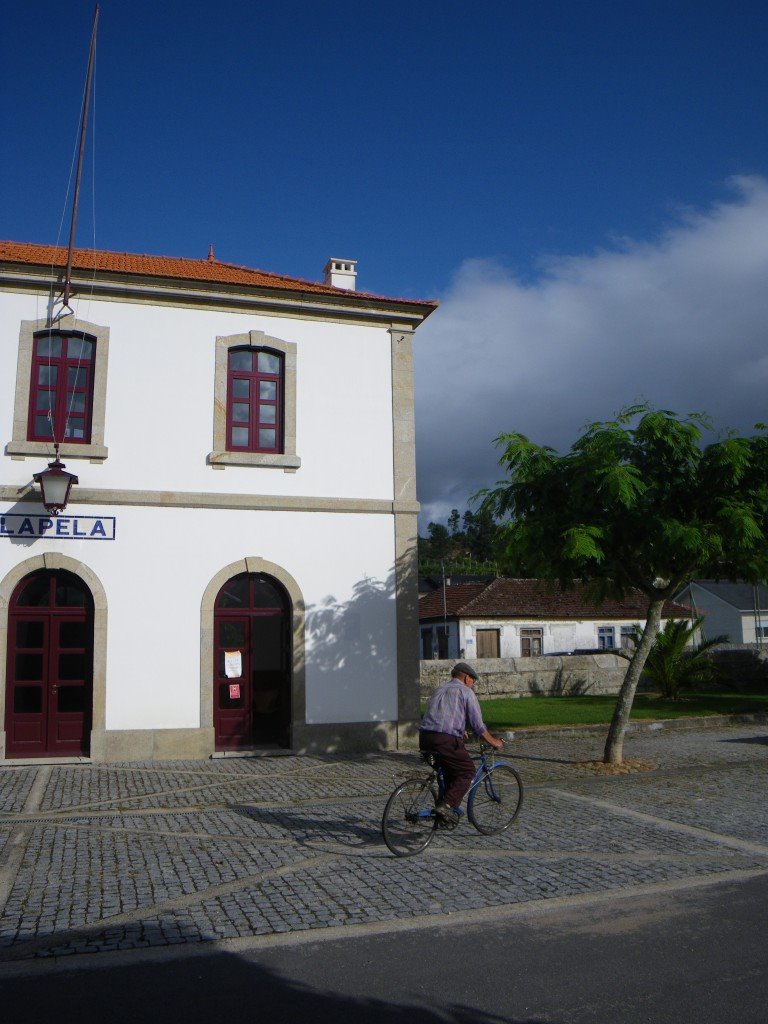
(55, 485)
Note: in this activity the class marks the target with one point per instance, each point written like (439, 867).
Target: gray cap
(462, 668)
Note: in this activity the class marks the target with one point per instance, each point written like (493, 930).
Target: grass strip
(511, 713)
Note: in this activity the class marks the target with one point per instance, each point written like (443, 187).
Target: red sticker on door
(234, 691)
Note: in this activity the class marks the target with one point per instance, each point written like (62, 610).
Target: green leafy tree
(675, 662)
(454, 521)
(637, 502)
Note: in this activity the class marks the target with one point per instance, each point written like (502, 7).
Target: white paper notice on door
(233, 664)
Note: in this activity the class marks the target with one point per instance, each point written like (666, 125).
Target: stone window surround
(19, 447)
(288, 460)
(252, 564)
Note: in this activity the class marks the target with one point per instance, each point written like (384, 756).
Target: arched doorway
(252, 663)
(49, 668)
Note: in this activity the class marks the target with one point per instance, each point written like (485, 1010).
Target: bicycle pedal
(447, 823)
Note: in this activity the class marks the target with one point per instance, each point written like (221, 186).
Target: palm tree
(674, 661)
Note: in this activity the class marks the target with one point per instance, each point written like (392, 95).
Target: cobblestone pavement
(105, 857)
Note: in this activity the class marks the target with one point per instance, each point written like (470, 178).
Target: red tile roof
(457, 596)
(177, 268)
(534, 599)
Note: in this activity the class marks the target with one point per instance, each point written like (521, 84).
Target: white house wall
(161, 366)
(749, 624)
(557, 636)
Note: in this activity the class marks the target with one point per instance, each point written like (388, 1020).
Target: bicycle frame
(482, 773)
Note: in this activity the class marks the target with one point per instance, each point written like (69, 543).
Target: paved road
(228, 855)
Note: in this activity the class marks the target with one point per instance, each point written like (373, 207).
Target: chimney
(341, 273)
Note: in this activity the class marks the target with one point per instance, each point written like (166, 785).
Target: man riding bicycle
(453, 710)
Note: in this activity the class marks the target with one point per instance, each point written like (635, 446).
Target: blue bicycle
(494, 800)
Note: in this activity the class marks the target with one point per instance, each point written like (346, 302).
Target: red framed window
(254, 400)
(61, 388)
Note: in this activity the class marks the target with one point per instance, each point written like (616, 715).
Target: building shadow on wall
(352, 643)
(562, 685)
(355, 633)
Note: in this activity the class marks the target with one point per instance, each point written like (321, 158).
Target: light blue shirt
(453, 709)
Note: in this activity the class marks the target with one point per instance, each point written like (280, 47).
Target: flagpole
(83, 125)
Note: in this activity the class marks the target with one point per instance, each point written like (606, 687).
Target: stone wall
(547, 677)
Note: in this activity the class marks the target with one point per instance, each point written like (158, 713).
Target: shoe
(446, 815)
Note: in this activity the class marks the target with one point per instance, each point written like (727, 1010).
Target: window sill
(44, 450)
(288, 463)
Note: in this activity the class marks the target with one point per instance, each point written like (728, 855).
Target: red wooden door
(232, 699)
(251, 663)
(49, 667)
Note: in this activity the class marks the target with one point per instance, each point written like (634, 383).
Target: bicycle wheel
(408, 823)
(495, 801)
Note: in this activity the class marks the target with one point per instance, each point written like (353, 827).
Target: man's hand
(492, 741)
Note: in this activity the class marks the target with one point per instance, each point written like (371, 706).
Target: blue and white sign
(61, 527)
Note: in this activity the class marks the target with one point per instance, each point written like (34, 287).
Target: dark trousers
(452, 756)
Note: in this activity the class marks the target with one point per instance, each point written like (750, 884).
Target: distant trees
(439, 543)
(468, 543)
(637, 502)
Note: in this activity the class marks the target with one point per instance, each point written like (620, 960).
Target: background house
(512, 618)
(237, 566)
(736, 610)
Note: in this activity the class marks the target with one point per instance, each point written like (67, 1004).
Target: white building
(236, 566)
(524, 618)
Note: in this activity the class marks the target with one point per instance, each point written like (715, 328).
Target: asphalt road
(685, 954)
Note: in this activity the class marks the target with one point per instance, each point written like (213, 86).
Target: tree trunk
(614, 745)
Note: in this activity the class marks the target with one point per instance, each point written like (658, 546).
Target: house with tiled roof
(234, 568)
(523, 618)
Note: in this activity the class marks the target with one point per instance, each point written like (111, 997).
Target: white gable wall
(720, 618)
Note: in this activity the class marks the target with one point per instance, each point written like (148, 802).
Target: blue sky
(581, 183)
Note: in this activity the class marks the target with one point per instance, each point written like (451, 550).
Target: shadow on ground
(345, 827)
(209, 988)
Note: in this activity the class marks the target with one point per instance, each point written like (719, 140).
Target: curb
(648, 725)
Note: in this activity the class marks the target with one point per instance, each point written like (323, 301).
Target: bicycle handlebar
(487, 746)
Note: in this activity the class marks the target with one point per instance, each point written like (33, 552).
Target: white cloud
(681, 322)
